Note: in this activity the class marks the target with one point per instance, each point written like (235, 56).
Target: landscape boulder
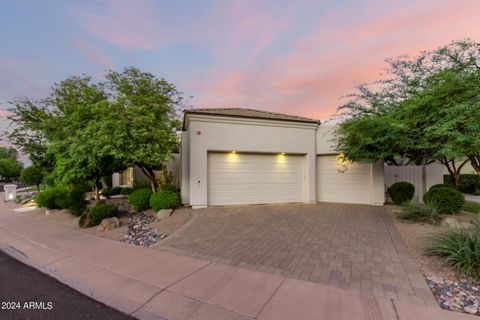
(164, 213)
(109, 224)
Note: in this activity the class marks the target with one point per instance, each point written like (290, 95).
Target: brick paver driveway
(349, 246)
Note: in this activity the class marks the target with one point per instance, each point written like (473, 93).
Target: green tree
(10, 169)
(81, 133)
(425, 110)
(32, 176)
(144, 109)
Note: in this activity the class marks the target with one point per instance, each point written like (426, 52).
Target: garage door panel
(254, 178)
(351, 186)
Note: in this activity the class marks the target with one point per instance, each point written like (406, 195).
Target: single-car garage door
(242, 178)
(350, 184)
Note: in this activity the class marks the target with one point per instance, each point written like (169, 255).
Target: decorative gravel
(456, 294)
(138, 232)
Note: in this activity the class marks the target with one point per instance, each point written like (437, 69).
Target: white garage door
(351, 186)
(236, 178)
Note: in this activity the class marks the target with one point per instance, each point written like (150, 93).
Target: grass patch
(471, 207)
(459, 248)
(417, 212)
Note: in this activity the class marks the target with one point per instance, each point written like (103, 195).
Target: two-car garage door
(242, 178)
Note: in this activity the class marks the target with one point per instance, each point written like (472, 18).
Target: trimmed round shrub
(468, 183)
(95, 215)
(449, 200)
(53, 198)
(140, 199)
(108, 192)
(401, 192)
(164, 200)
(126, 191)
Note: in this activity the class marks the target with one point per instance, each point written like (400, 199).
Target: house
(236, 156)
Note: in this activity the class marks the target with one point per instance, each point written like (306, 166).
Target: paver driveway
(348, 246)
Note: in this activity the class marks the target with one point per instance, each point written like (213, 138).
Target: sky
(297, 57)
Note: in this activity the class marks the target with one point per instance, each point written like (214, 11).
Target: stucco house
(238, 156)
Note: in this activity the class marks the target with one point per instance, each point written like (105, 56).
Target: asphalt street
(26, 293)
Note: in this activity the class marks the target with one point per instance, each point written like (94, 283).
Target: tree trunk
(475, 162)
(148, 172)
(453, 170)
(38, 188)
(98, 185)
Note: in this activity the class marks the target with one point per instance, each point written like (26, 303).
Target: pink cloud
(329, 62)
(126, 24)
(94, 54)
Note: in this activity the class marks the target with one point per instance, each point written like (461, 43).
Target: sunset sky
(295, 57)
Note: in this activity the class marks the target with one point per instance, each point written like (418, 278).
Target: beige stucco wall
(324, 140)
(226, 134)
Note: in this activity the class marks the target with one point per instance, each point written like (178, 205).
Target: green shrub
(164, 200)
(95, 215)
(53, 198)
(449, 200)
(460, 249)
(401, 192)
(168, 187)
(468, 183)
(428, 212)
(126, 191)
(471, 207)
(108, 192)
(441, 185)
(140, 199)
(77, 203)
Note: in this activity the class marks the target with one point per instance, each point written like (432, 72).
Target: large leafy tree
(425, 110)
(145, 121)
(91, 129)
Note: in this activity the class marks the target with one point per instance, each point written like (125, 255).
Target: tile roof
(250, 113)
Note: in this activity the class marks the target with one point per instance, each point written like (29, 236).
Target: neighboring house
(242, 156)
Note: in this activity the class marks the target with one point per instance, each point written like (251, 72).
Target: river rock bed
(457, 295)
(139, 233)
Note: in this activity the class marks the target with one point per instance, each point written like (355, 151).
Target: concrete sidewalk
(152, 284)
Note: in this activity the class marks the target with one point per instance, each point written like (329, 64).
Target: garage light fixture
(234, 151)
(283, 153)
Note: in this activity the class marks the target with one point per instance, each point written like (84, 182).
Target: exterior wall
(185, 169)
(257, 136)
(324, 140)
(377, 191)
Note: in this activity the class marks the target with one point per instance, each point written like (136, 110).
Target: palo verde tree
(421, 113)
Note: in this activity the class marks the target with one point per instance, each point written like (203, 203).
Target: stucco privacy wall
(225, 134)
